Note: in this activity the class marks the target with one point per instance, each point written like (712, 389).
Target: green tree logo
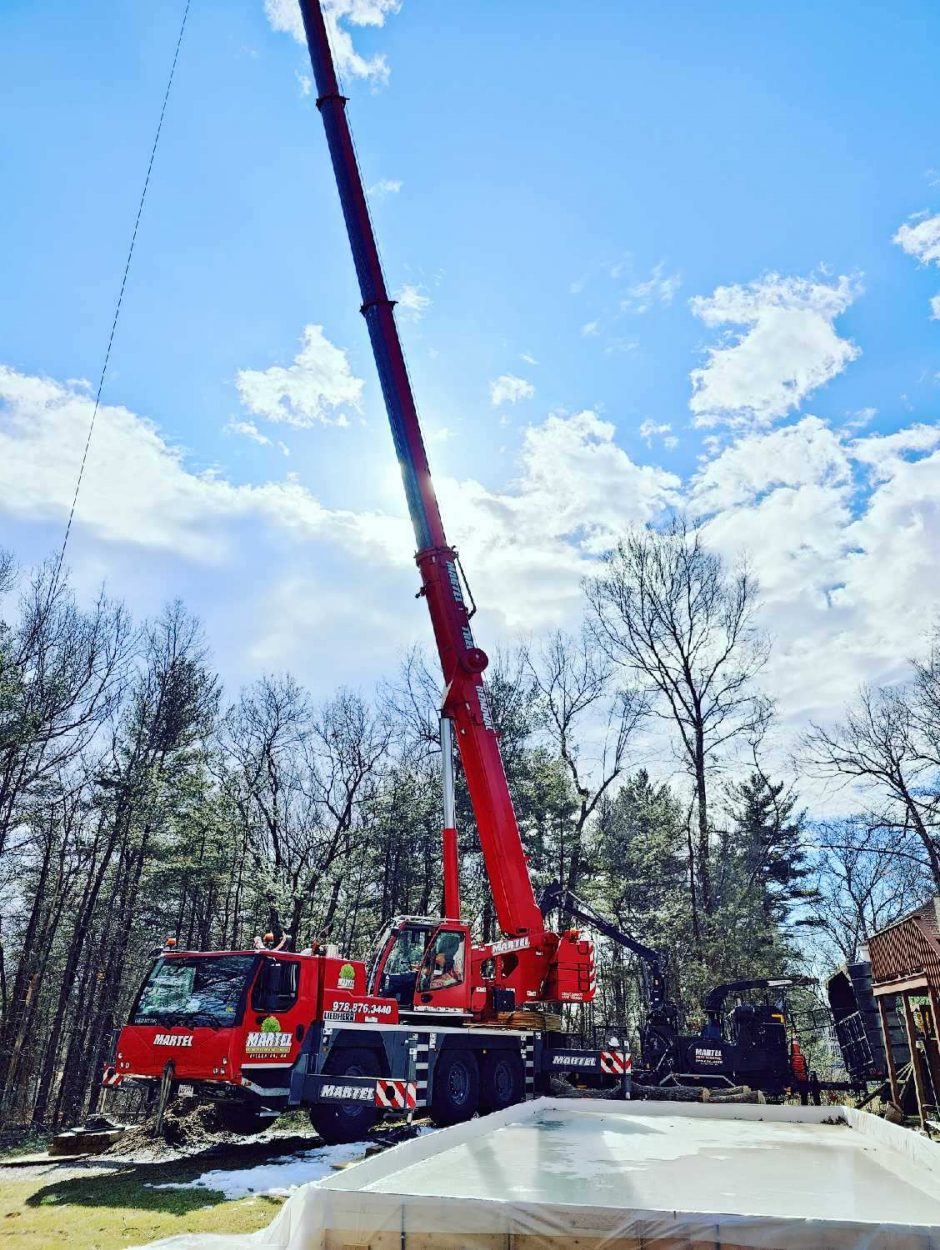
(347, 977)
(270, 1024)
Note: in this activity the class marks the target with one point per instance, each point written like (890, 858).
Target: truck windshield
(194, 990)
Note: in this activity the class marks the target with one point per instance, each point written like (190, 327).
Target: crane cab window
(276, 986)
(404, 959)
(444, 963)
(408, 952)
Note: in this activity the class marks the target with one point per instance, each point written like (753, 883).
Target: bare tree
(347, 743)
(925, 702)
(168, 715)
(667, 608)
(881, 745)
(61, 671)
(864, 882)
(301, 778)
(574, 683)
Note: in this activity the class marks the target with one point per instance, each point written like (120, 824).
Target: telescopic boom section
(465, 702)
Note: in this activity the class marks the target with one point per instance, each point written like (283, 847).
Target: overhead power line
(120, 298)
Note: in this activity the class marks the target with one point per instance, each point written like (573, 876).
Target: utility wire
(120, 299)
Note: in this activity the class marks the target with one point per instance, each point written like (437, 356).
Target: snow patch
(276, 1177)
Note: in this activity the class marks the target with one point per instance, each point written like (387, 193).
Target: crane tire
(346, 1122)
(502, 1080)
(456, 1091)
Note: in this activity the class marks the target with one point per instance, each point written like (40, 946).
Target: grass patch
(27, 1142)
(119, 1209)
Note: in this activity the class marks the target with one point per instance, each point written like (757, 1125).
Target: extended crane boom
(465, 702)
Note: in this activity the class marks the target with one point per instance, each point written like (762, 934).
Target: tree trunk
(701, 802)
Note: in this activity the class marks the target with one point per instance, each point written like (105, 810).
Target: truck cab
(230, 1025)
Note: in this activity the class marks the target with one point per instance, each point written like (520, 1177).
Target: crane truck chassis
(260, 1033)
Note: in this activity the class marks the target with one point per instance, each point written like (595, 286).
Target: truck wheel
(456, 1088)
(239, 1117)
(502, 1080)
(347, 1121)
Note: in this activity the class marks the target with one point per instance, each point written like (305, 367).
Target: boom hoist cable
(120, 299)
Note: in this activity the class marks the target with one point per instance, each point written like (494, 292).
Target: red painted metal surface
(256, 1039)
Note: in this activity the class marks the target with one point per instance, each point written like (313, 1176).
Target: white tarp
(771, 1178)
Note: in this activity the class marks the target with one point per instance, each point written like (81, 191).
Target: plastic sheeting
(620, 1176)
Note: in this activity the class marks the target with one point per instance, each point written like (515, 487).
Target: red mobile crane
(263, 1031)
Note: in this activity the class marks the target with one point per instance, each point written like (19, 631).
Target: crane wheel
(502, 1080)
(456, 1095)
(345, 1122)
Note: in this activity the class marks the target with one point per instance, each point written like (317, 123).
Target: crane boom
(465, 702)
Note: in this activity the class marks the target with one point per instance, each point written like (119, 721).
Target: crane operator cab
(424, 965)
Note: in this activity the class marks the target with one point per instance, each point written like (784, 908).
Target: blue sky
(609, 217)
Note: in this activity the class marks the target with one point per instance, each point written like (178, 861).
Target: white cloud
(788, 348)
(529, 546)
(920, 237)
(858, 420)
(889, 583)
(249, 430)
(842, 530)
(413, 300)
(651, 429)
(304, 82)
(884, 453)
(528, 358)
(659, 288)
(525, 548)
(615, 346)
(508, 389)
(842, 533)
(529, 543)
(757, 464)
(384, 187)
(363, 12)
(137, 489)
(284, 15)
(311, 391)
(590, 329)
